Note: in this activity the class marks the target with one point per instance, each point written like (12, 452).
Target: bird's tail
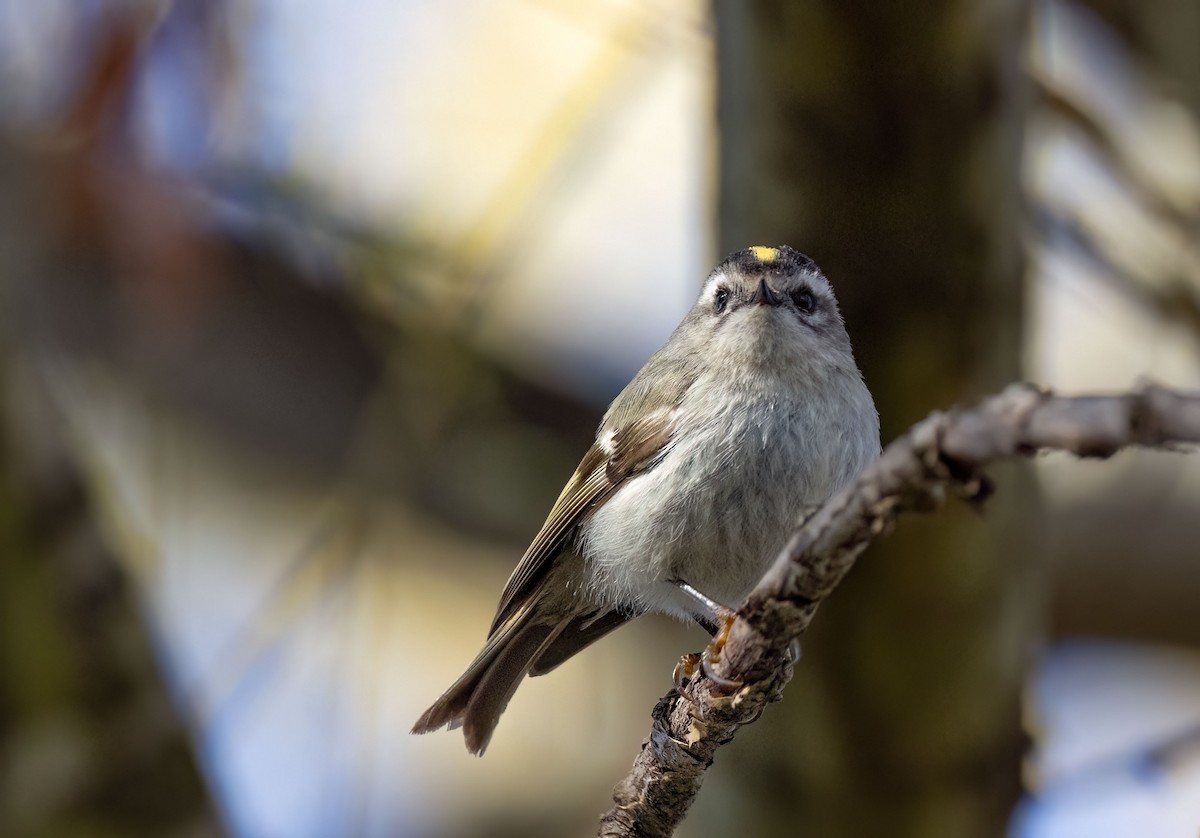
(476, 700)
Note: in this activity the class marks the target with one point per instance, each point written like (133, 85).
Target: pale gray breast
(716, 509)
(752, 465)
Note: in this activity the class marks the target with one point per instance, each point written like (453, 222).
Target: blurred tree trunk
(885, 143)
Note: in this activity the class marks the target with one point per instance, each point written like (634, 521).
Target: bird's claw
(726, 685)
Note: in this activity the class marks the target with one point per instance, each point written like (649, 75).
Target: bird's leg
(716, 619)
(710, 612)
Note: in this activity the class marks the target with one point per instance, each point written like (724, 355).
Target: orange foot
(685, 671)
(725, 621)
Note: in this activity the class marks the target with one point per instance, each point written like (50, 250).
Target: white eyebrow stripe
(711, 285)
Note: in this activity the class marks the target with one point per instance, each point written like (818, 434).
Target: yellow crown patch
(765, 254)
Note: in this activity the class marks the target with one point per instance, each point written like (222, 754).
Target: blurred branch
(608, 83)
(1111, 149)
(1174, 297)
(1170, 298)
(944, 451)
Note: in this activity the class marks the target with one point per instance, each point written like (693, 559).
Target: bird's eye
(720, 300)
(804, 300)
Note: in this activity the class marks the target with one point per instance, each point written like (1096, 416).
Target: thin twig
(944, 451)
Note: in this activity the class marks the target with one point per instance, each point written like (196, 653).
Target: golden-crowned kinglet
(752, 411)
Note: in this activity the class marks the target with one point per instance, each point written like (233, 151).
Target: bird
(752, 411)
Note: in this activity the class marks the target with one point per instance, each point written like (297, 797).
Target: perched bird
(752, 411)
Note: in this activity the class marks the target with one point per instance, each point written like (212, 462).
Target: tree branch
(944, 451)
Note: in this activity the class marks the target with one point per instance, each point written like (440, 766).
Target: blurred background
(308, 309)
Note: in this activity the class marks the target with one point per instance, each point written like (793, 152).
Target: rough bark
(946, 451)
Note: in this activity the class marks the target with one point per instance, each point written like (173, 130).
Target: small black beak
(763, 295)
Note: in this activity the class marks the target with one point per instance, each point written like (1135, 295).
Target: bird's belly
(714, 513)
